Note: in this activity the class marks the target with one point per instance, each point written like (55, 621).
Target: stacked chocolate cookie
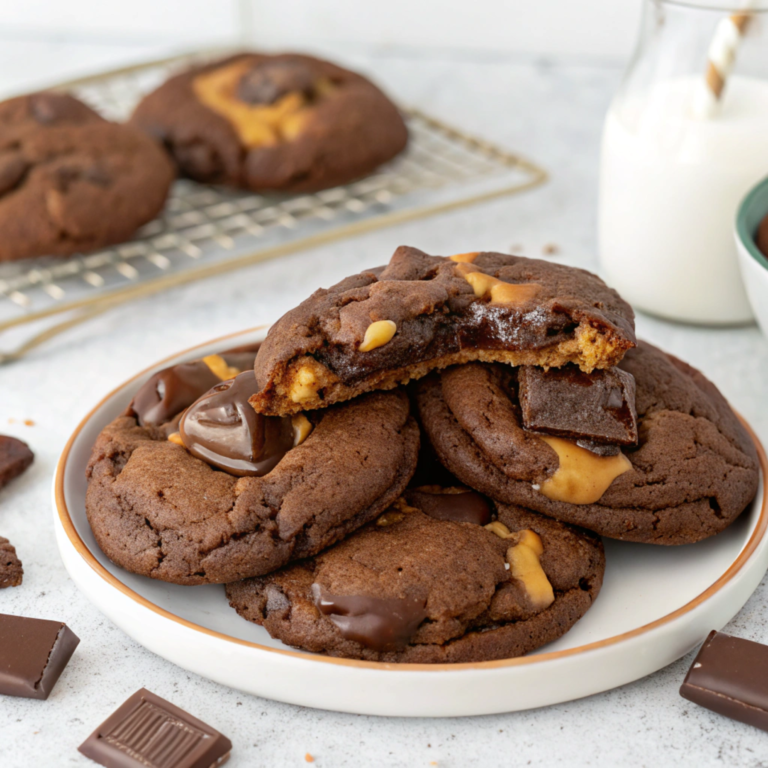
(399, 473)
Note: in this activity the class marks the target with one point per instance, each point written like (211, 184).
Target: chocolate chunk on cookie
(169, 391)
(597, 407)
(70, 181)
(693, 471)
(411, 587)
(15, 457)
(387, 325)
(157, 510)
(284, 122)
(11, 571)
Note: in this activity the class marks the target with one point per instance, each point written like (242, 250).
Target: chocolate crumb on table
(730, 676)
(33, 654)
(147, 731)
(11, 571)
(15, 457)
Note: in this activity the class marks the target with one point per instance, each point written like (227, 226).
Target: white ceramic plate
(657, 603)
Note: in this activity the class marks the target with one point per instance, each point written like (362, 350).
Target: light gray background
(549, 109)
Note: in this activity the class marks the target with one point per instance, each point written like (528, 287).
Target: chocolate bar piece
(597, 406)
(730, 676)
(33, 654)
(149, 732)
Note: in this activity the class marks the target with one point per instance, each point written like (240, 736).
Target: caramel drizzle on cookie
(489, 287)
(259, 125)
(582, 477)
(524, 559)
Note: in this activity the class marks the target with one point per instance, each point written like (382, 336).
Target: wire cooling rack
(208, 230)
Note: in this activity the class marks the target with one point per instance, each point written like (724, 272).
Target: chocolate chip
(13, 168)
(69, 174)
(266, 83)
(50, 108)
(199, 161)
(96, 175)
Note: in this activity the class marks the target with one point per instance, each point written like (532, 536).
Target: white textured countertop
(549, 111)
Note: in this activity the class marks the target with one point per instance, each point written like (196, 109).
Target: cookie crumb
(11, 571)
(309, 758)
(550, 249)
(11, 421)
(29, 422)
(516, 250)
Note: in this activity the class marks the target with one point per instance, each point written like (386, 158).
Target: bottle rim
(717, 6)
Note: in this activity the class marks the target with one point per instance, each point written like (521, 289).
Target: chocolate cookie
(761, 238)
(158, 510)
(15, 457)
(692, 472)
(11, 571)
(285, 122)
(428, 588)
(387, 325)
(70, 181)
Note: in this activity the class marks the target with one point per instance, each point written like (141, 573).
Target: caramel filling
(218, 367)
(499, 292)
(302, 428)
(582, 476)
(464, 258)
(304, 386)
(257, 125)
(524, 559)
(377, 335)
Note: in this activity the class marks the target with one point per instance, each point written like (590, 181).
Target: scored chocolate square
(150, 732)
(566, 402)
(33, 654)
(730, 676)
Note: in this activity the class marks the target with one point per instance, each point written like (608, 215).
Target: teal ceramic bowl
(753, 264)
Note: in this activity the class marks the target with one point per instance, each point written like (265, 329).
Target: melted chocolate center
(446, 504)
(170, 391)
(222, 429)
(381, 624)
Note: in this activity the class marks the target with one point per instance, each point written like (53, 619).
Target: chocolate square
(149, 732)
(33, 654)
(730, 676)
(597, 406)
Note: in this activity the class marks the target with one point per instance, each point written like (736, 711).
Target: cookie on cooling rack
(200, 489)
(387, 325)
(431, 581)
(70, 181)
(283, 122)
(692, 470)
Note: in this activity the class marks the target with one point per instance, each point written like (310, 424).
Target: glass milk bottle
(685, 138)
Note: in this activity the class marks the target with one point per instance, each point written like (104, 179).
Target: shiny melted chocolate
(173, 389)
(170, 391)
(381, 624)
(222, 429)
(456, 504)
